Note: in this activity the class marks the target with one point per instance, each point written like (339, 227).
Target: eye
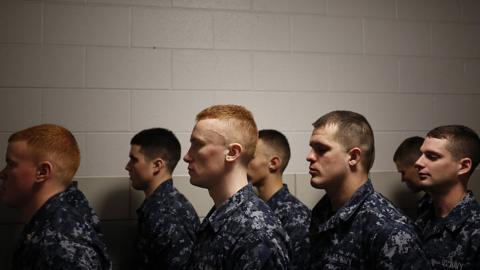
(431, 156)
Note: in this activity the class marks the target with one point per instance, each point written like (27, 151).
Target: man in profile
(62, 232)
(265, 172)
(354, 227)
(450, 222)
(167, 222)
(240, 231)
(405, 157)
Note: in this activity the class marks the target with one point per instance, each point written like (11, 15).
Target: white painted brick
(457, 109)
(117, 2)
(363, 73)
(88, 110)
(251, 31)
(128, 68)
(270, 110)
(92, 25)
(368, 8)
(299, 148)
(326, 34)
(472, 76)
(199, 197)
(450, 39)
(289, 180)
(214, 4)
(278, 71)
(385, 112)
(172, 28)
(292, 6)
(439, 10)
(106, 154)
(385, 145)
(470, 10)
(211, 70)
(395, 37)
(20, 22)
(109, 197)
(160, 3)
(431, 75)
(167, 109)
(25, 66)
(305, 192)
(184, 138)
(80, 137)
(21, 108)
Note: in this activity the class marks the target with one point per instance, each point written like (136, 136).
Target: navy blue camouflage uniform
(242, 233)
(295, 218)
(63, 234)
(452, 242)
(167, 223)
(368, 232)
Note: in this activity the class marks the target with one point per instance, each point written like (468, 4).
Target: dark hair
(353, 131)
(159, 142)
(462, 142)
(278, 143)
(409, 150)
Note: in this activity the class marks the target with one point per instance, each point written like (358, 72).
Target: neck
(445, 200)
(40, 197)
(344, 190)
(269, 186)
(156, 182)
(228, 185)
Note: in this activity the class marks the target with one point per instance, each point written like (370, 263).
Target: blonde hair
(53, 142)
(241, 127)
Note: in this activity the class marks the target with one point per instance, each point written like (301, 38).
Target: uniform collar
(159, 192)
(217, 217)
(278, 196)
(328, 220)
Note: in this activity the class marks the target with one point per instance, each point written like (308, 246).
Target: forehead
(434, 145)
(209, 130)
(135, 150)
(18, 148)
(324, 135)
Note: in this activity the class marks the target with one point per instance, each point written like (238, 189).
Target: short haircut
(462, 142)
(278, 143)
(408, 151)
(54, 143)
(241, 126)
(353, 130)
(159, 142)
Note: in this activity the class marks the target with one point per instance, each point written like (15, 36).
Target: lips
(423, 175)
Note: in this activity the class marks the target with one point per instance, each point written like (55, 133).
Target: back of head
(278, 144)
(463, 142)
(55, 144)
(353, 130)
(408, 151)
(240, 126)
(159, 142)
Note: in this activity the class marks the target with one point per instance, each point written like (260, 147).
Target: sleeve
(262, 253)
(399, 249)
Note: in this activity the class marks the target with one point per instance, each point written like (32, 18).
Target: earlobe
(274, 164)
(44, 171)
(465, 165)
(354, 156)
(233, 152)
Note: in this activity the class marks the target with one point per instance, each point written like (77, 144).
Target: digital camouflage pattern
(242, 233)
(452, 242)
(295, 218)
(368, 232)
(167, 223)
(63, 234)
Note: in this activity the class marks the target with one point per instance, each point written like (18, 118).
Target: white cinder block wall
(107, 69)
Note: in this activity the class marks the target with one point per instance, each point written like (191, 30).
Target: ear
(158, 164)
(354, 156)
(44, 171)
(464, 166)
(274, 164)
(233, 152)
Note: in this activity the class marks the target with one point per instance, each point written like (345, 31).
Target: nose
(187, 157)
(419, 164)
(127, 167)
(310, 156)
